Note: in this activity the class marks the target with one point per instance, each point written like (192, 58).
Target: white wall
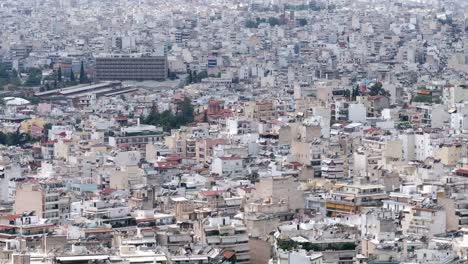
(357, 113)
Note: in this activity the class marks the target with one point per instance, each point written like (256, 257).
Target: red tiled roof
(50, 142)
(107, 191)
(295, 163)
(215, 102)
(371, 130)
(228, 254)
(462, 171)
(121, 118)
(10, 216)
(174, 158)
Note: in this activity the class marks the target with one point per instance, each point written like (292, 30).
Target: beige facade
(449, 155)
(261, 226)
(29, 197)
(260, 251)
(280, 190)
(181, 143)
(260, 110)
(62, 149)
(126, 177)
(204, 148)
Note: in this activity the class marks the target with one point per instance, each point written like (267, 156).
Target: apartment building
(349, 199)
(44, 199)
(225, 233)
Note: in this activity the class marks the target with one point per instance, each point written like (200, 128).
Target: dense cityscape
(234, 131)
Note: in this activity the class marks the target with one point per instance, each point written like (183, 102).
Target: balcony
(11, 231)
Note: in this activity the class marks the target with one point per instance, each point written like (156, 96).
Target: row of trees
(288, 245)
(194, 77)
(374, 90)
(12, 77)
(169, 120)
(83, 78)
(312, 6)
(34, 77)
(422, 98)
(302, 22)
(8, 77)
(15, 139)
(273, 21)
(60, 81)
(377, 89)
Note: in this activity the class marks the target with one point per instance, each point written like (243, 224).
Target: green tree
(355, 93)
(377, 89)
(83, 77)
(189, 77)
(72, 76)
(421, 98)
(273, 21)
(347, 93)
(169, 120)
(198, 77)
(14, 139)
(7, 77)
(34, 77)
(186, 111)
(59, 74)
(251, 24)
(3, 72)
(302, 22)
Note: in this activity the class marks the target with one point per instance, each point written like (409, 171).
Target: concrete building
(44, 200)
(352, 198)
(228, 166)
(225, 233)
(131, 67)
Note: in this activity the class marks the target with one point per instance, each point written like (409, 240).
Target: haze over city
(233, 131)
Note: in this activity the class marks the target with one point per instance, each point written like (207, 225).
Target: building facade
(136, 68)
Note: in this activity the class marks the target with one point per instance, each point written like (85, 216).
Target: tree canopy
(169, 120)
(34, 77)
(59, 74)
(195, 77)
(272, 21)
(8, 76)
(83, 76)
(14, 139)
(377, 89)
(422, 98)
